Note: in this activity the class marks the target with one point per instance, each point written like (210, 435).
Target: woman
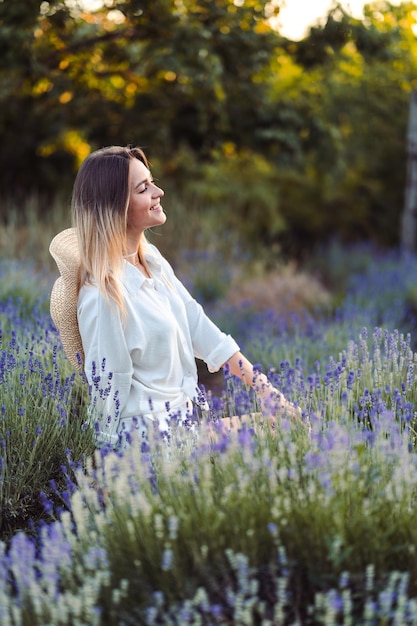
(140, 328)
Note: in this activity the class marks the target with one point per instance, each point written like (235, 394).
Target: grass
(27, 228)
(293, 525)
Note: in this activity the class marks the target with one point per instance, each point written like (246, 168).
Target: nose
(158, 192)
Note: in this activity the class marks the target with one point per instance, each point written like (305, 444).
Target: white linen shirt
(144, 364)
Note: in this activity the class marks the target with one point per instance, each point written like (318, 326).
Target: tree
(158, 73)
(207, 85)
(408, 224)
(351, 106)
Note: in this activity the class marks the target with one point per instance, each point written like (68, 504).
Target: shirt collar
(133, 278)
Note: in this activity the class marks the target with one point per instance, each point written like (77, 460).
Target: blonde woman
(140, 328)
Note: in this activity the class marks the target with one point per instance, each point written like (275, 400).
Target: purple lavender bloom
(222, 442)
(217, 611)
(47, 504)
(20, 562)
(246, 437)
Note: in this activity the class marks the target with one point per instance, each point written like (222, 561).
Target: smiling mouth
(157, 207)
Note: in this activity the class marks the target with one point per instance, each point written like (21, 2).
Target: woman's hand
(273, 403)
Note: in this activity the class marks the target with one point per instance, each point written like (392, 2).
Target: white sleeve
(107, 362)
(210, 343)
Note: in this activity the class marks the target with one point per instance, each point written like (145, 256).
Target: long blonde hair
(100, 202)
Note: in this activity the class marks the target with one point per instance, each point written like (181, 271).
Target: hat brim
(64, 296)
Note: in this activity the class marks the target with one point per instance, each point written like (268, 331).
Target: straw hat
(64, 295)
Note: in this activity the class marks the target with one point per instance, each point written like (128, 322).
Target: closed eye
(146, 185)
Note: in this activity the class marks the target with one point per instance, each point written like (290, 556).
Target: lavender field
(306, 523)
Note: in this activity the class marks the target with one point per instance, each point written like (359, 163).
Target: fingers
(274, 403)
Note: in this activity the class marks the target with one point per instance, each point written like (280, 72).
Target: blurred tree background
(287, 144)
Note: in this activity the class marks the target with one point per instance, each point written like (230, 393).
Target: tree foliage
(349, 89)
(209, 86)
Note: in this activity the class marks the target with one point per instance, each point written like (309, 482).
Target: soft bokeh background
(297, 16)
(263, 143)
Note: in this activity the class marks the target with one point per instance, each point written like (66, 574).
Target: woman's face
(144, 209)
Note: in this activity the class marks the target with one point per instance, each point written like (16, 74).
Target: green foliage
(157, 76)
(349, 176)
(198, 80)
(252, 208)
(26, 230)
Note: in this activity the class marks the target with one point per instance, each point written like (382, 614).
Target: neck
(134, 242)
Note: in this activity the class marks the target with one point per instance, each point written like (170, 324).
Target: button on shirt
(144, 364)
